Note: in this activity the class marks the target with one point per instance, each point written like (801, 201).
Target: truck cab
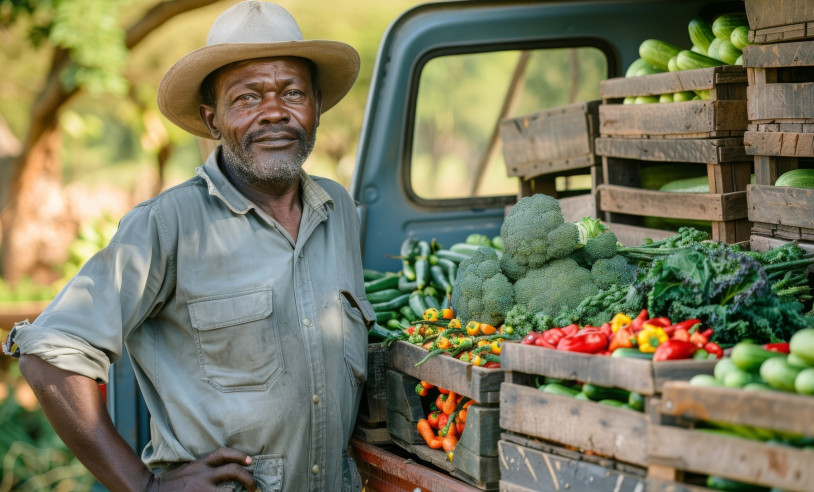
(430, 160)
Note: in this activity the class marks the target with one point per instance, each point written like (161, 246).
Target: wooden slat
(748, 461)
(779, 144)
(701, 206)
(771, 13)
(631, 374)
(662, 83)
(383, 471)
(477, 383)
(613, 432)
(575, 208)
(766, 409)
(781, 205)
(706, 150)
(794, 54)
(684, 118)
(781, 101)
(630, 235)
(761, 243)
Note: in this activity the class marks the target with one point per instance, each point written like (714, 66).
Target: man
(238, 294)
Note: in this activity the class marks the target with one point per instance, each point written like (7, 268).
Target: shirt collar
(313, 195)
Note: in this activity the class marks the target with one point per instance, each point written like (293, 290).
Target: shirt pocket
(354, 334)
(237, 342)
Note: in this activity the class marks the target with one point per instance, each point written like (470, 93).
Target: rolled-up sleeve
(83, 328)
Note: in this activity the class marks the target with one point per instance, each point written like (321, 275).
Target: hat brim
(179, 93)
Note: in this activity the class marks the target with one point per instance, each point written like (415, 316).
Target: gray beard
(256, 171)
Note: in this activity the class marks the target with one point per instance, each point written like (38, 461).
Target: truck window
(456, 150)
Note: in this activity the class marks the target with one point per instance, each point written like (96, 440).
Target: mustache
(250, 137)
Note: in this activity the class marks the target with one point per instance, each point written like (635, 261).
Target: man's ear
(208, 117)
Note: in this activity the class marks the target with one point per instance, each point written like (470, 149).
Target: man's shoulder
(180, 193)
(333, 188)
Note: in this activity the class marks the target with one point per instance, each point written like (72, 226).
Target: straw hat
(252, 29)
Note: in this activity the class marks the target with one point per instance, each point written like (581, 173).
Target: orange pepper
(448, 314)
(487, 329)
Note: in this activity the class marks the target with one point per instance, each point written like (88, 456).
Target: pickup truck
(429, 162)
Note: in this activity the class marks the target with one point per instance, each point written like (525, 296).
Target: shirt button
(316, 398)
(306, 321)
(315, 469)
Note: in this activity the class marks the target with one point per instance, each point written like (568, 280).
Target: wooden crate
(530, 465)
(722, 115)
(475, 459)
(478, 383)
(772, 21)
(678, 449)
(780, 136)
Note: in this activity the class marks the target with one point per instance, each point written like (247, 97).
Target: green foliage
(481, 292)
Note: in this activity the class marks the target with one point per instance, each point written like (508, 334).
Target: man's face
(266, 116)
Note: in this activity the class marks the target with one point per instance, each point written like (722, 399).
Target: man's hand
(221, 465)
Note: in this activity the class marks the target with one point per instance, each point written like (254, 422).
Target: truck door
(429, 162)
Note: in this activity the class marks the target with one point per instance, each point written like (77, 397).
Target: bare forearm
(75, 408)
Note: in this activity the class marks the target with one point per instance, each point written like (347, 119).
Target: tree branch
(158, 15)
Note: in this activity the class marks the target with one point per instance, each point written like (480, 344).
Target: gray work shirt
(239, 336)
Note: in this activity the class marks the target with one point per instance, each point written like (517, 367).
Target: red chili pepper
(698, 339)
(570, 330)
(553, 336)
(708, 332)
(530, 338)
(587, 343)
(687, 324)
(661, 322)
(782, 348)
(638, 321)
(714, 349)
(540, 342)
(674, 349)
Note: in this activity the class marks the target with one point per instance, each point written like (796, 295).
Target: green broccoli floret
(596, 241)
(558, 286)
(607, 272)
(481, 292)
(520, 321)
(534, 232)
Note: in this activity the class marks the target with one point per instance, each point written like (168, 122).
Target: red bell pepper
(638, 321)
(674, 349)
(530, 338)
(553, 336)
(540, 342)
(687, 324)
(714, 349)
(661, 322)
(587, 343)
(698, 339)
(623, 338)
(782, 348)
(681, 334)
(606, 329)
(570, 330)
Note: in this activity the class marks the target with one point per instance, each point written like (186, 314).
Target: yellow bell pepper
(454, 323)
(432, 314)
(472, 328)
(620, 321)
(651, 337)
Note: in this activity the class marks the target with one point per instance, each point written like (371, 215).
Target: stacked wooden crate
(475, 458)
(371, 422)
(709, 133)
(780, 68)
(679, 451)
(595, 446)
(551, 145)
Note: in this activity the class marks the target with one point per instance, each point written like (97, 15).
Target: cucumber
(666, 98)
(629, 100)
(795, 360)
(804, 382)
(739, 61)
(687, 185)
(740, 37)
(672, 66)
(597, 393)
(633, 69)
(387, 281)
(464, 248)
(385, 316)
(451, 255)
(407, 285)
(704, 380)
(633, 353)
(393, 304)
(738, 378)
(370, 274)
(687, 60)
(648, 69)
(416, 302)
(779, 374)
(727, 52)
(581, 396)
(646, 99)
(729, 485)
(802, 345)
(383, 295)
(757, 386)
(613, 403)
(636, 401)
(701, 35)
(712, 51)
(797, 178)
(724, 24)
(683, 96)
(723, 367)
(657, 53)
(559, 389)
(750, 357)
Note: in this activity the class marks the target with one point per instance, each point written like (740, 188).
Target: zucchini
(387, 281)
(384, 295)
(740, 37)
(701, 35)
(406, 285)
(797, 178)
(597, 393)
(727, 52)
(385, 316)
(750, 357)
(657, 53)
(432, 302)
(439, 276)
(779, 374)
(559, 389)
(416, 302)
(688, 60)
(724, 24)
(393, 304)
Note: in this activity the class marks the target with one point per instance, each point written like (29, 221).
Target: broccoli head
(534, 232)
(607, 272)
(558, 286)
(481, 292)
(596, 241)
